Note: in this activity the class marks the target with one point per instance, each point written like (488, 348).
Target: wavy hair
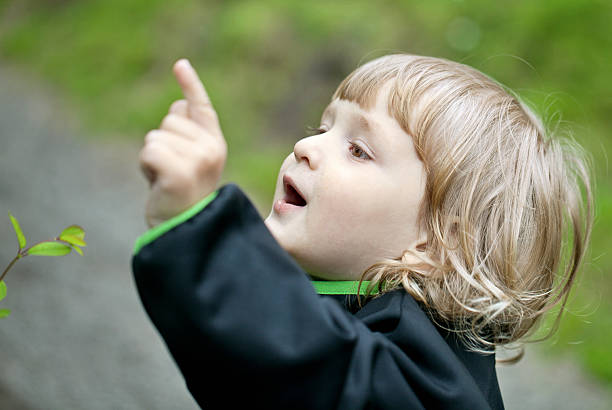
(507, 207)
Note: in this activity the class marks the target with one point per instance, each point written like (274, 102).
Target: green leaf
(74, 240)
(74, 230)
(2, 290)
(79, 251)
(4, 313)
(49, 249)
(20, 236)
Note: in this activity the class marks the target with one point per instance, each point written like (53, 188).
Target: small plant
(71, 238)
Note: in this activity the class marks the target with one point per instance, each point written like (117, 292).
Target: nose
(307, 149)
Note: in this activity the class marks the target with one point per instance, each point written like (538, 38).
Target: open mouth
(292, 195)
(293, 201)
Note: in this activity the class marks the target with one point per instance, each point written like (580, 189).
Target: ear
(416, 254)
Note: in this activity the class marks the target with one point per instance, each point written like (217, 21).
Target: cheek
(361, 194)
(364, 215)
(350, 208)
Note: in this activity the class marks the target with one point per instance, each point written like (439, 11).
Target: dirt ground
(78, 337)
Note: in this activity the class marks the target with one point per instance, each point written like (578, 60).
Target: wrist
(165, 225)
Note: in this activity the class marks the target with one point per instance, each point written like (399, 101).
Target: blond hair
(507, 207)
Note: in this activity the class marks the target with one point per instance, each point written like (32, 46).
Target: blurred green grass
(270, 68)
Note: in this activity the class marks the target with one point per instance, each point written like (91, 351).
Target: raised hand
(184, 158)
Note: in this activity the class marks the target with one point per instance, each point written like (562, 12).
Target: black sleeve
(246, 327)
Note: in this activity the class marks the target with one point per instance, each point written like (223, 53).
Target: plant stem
(9, 266)
(24, 252)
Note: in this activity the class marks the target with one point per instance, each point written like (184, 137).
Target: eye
(358, 152)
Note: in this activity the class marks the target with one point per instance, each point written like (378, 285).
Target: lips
(293, 200)
(293, 195)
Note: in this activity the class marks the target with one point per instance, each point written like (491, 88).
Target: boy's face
(361, 184)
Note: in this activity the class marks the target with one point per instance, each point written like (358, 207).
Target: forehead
(368, 117)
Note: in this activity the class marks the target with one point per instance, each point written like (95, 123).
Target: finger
(192, 87)
(182, 126)
(179, 107)
(200, 108)
(176, 143)
(190, 83)
(153, 158)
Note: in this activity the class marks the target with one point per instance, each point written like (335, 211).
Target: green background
(270, 68)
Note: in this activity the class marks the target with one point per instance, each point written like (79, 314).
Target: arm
(238, 315)
(246, 327)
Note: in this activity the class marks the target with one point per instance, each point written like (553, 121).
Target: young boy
(426, 178)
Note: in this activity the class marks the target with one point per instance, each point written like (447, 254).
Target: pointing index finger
(190, 83)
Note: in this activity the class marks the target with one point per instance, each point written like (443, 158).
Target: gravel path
(78, 337)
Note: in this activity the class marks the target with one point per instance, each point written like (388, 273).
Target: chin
(270, 225)
(276, 231)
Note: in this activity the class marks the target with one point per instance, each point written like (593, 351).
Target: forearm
(222, 307)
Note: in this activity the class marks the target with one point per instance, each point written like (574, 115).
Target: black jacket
(247, 329)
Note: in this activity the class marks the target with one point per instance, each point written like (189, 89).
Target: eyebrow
(363, 123)
(361, 120)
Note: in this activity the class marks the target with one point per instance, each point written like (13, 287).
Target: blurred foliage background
(270, 68)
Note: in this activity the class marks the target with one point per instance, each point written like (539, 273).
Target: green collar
(340, 287)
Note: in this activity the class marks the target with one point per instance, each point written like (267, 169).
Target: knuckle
(178, 105)
(206, 106)
(168, 120)
(151, 136)
(151, 152)
(213, 113)
(145, 160)
(209, 112)
(145, 156)
(219, 152)
(214, 119)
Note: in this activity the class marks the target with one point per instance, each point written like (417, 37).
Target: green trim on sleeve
(341, 287)
(157, 231)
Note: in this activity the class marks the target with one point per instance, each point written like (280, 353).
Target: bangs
(363, 84)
